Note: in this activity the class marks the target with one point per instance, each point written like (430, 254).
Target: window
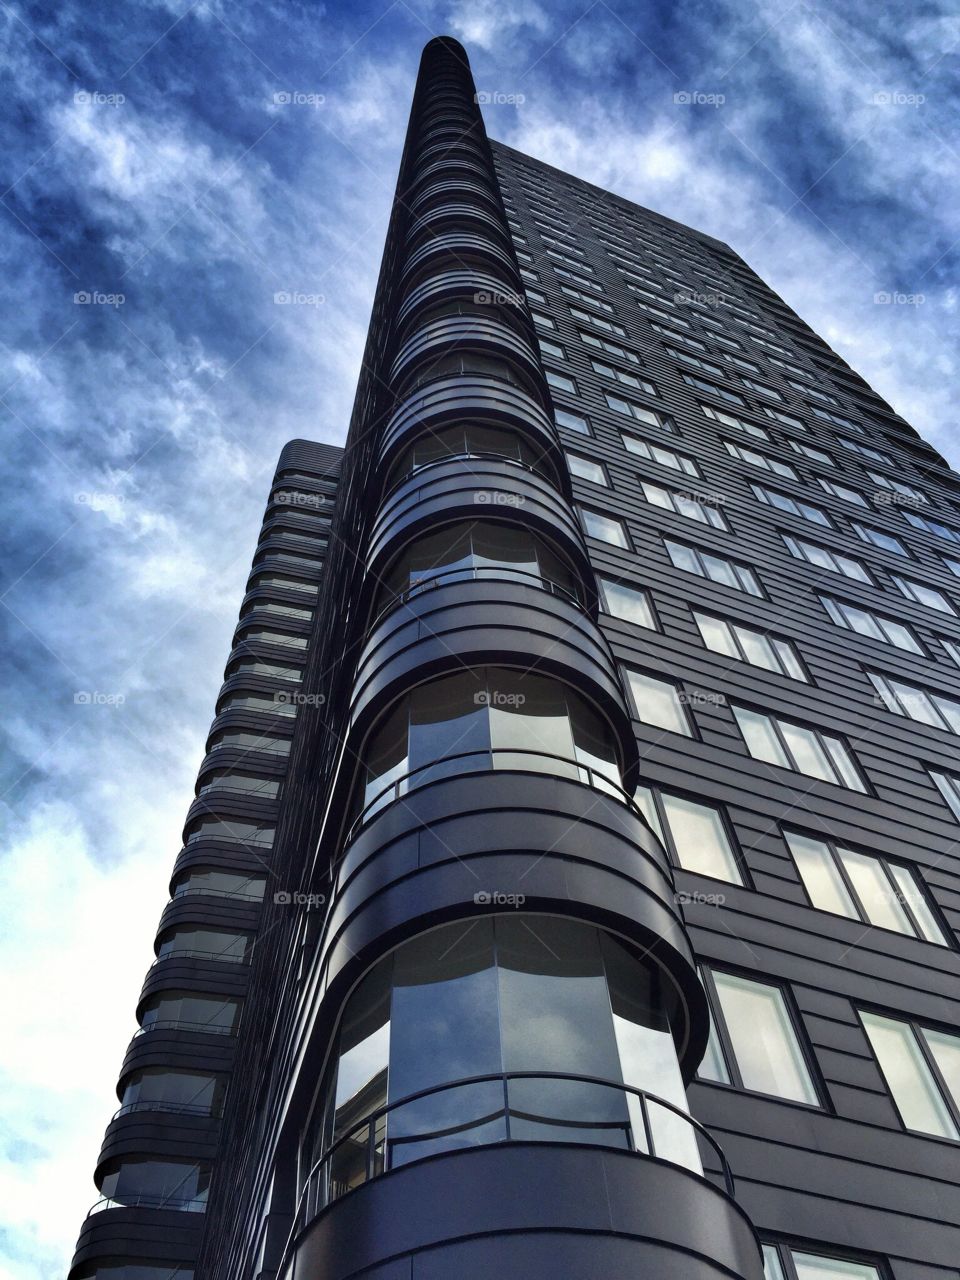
(761, 389)
(738, 424)
(783, 1263)
(824, 558)
(678, 337)
(835, 418)
(657, 702)
(865, 451)
(624, 377)
(793, 746)
(921, 1068)
(533, 295)
(627, 603)
(787, 419)
(920, 593)
(708, 388)
(873, 625)
(656, 453)
(932, 526)
(949, 788)
(718, 569)
(584, 298)
(551, 349)
(560, 382)
(952, 648)
(637, 411)
(612, 348)
(817, 394)
(808, 451)
(747, 645)
(917, 704)
(878, 538)
(665, 316)
(699, 507)
(843, 492)
(586, 469)
(572, 421)
(695, 834)
(783, 502)
(698, 363)
(760, 460)
(864, 888)
(896, 486)
(740, 363)
(757, 1046)
(952, 565)
(605, 528)
(579, 280)
(608, 326)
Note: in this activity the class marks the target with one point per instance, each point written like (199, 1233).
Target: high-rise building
(610, 887)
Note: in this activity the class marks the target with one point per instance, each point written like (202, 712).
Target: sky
(180, 164)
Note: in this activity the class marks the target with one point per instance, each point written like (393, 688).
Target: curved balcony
(483, 333)
(526, 1210)
(458, 213)
(488, 617)
(160, 1132)
(454, 187)
(474, 398)
(492, 490)
(184, 1046)
(460, 838)
(473, 169)
(210, 912)
(465, 282)
(164, 1235)
(461, 145)
(460, 248)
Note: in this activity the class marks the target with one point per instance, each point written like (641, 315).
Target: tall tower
(608, 918)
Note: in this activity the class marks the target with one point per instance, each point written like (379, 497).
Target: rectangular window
(921, 1068)
(727, 573)
(920, 593)
(747, 645)
(738, 424)
(783, 502)
(758, 1041)
(697, 361)
(896, 486)
(639, 413)
(824, 558)
(551, 349)
(572, 421)
(560, 382)
(817, 394)
(626, 603)
(656, 453)
(952, 565)
(873, 625)
(692, 507)
(760, 460)
(783, 1263)
(612, 348)
(878, 538)
(952, 648)
(545, 322)
(739, 362)
(580, 281)
(586, 469)
(657, 702)
(808, 451)
(932, 526)
(865, 451)
(836, 419)
(761, 389)
(604, 528)
(624, 377)
(665, 316)
(583, 297)
(864, 888)
(608, 326)
(708, 388)
(843, 492)
(949, 788)
(787, 419)
(908, 700)
(694, 834)
(678, 337)
(793, 746)
(534, 295)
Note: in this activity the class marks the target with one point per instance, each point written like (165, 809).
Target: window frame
(818, 733)
(951, 1104)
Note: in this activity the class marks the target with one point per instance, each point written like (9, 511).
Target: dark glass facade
(609, 886)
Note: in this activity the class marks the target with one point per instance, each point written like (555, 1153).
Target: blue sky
(146, 158)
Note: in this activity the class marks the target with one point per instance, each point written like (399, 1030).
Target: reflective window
(572, 421)
(878, 538)
(780, 1262)
(908, 700)
(949, 788)
(763, 460)
(718, 569)
(693, 506)
(157, 1184)
(862, 887)
(760, 1043)
(622, 601)
(638, 412)
(222, 884)
(211, 944)
(560, 382)
(162, 1089)
(604, 528)
(586, 469)
(747, 645)
(872, 625)
(657, 702)
(694, 833)
(921, 1068)
(920, 593)
(794, 746)
(656, 453)
(210, 1014)
(246, 833)
(471, 439)
(783, 502)
(842, 491)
